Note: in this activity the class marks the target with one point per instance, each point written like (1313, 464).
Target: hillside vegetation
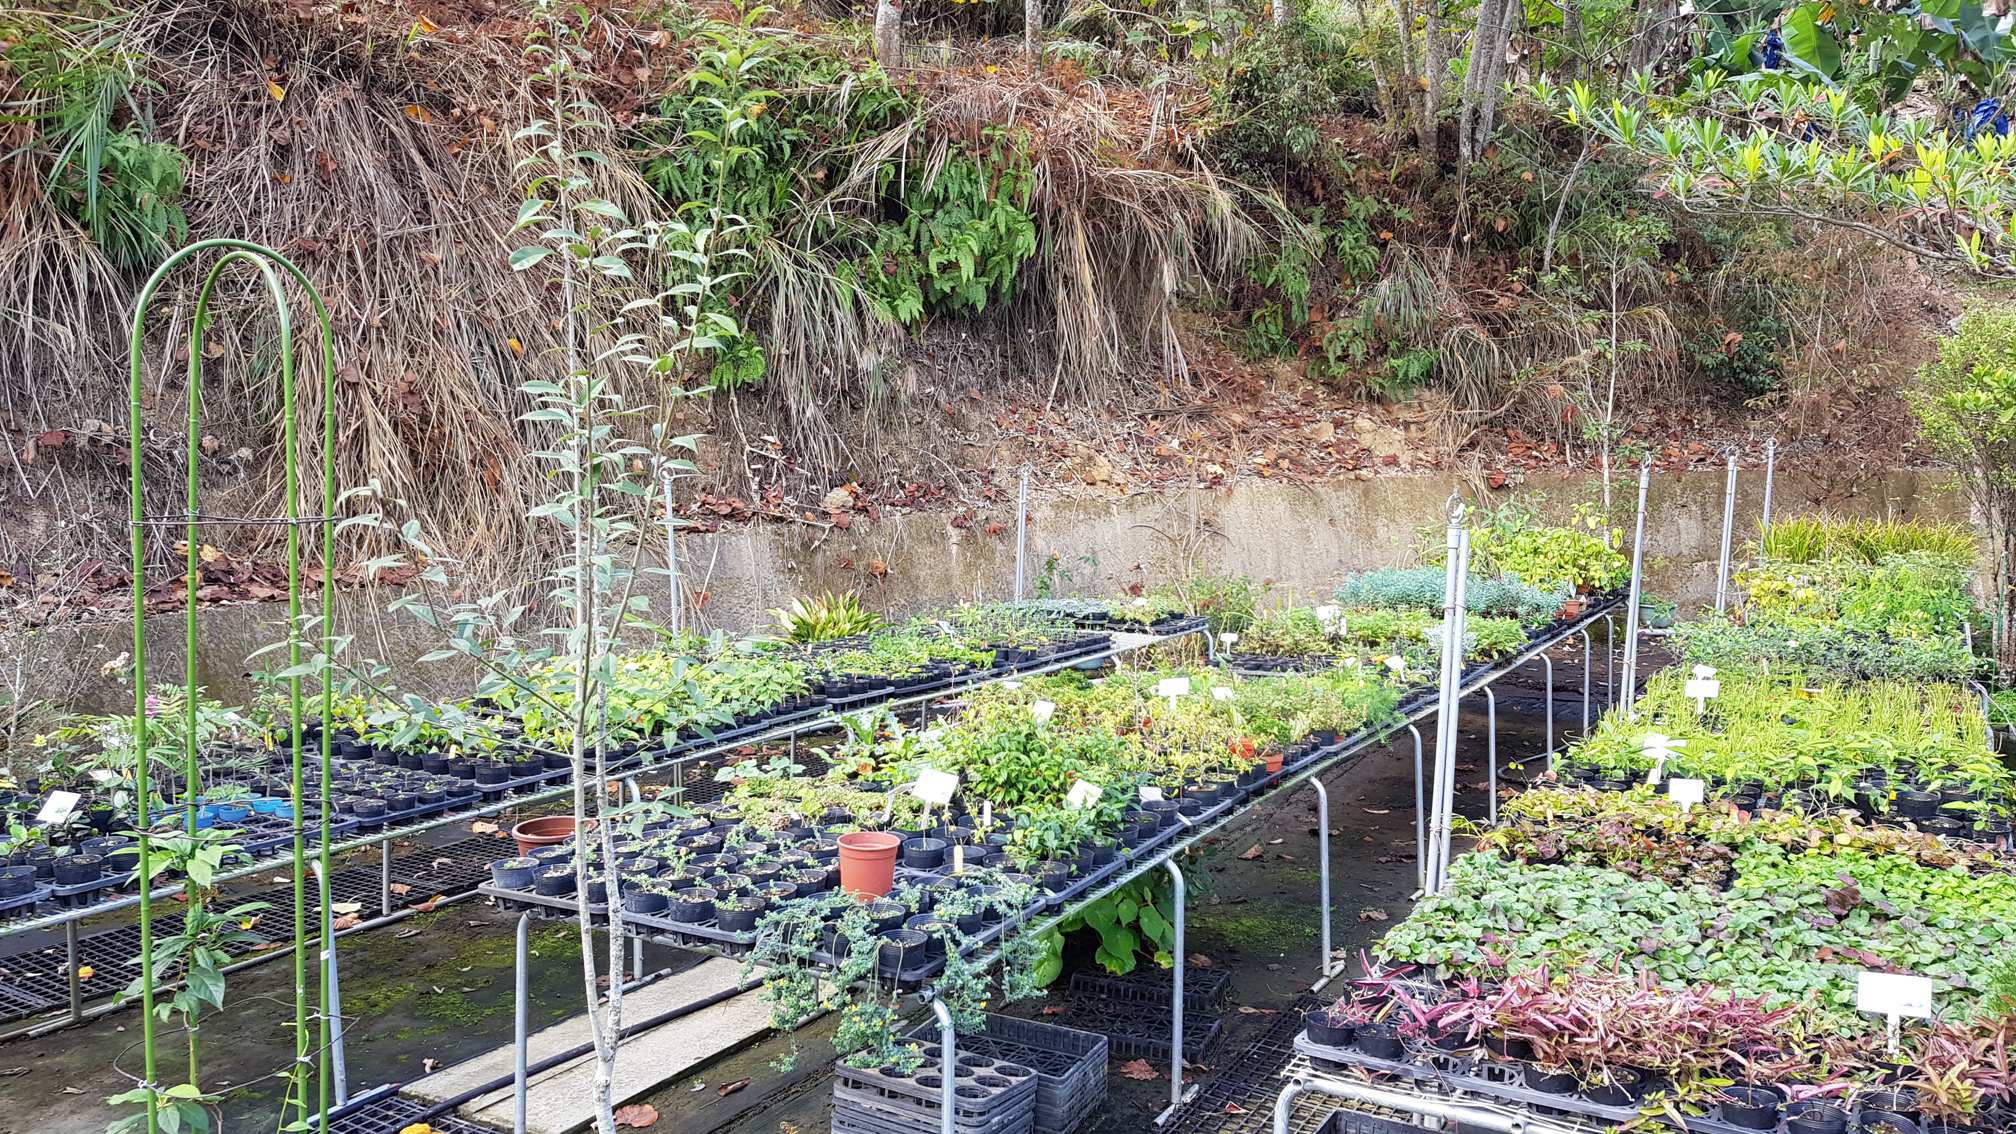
(968, 235)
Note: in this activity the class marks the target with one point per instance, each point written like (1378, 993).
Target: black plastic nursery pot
(1750, 1107)
(79, 869)
(1812, 1116)
(1380, 1040)
(640, 901)
(899, 948)
(739, 915)
(554, 881)
(1900, 1101)
(16, 881)
(691, 906)
(924, 853)
(1622, 1086)
(1551, 1082)
(1318, 1026)
(1884, 1122)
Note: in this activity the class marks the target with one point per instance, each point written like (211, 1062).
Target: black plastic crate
(1070, 1065)
(1202, 988)
(1141, 1031)
(390, 1113)
(992, 1096)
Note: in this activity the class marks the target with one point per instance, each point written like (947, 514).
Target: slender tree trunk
(889, 33)
(1432, 62)
(1032, 27)
(1409, 95)
(1571, 30)
(1383, 81)
(1280, 13)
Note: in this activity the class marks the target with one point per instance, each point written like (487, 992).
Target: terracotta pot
(1274, 760)
(868, 862)
(1573, 608)
(544, 831)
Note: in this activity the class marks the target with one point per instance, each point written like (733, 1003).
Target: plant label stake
(57, 807)
(1686, 792)
(1894, 996)
(1230, 638)
(959, 858)
(1042, 710)
(1172, 688)
(1222, 693)
(936, 787)
(986, 814)
(1702, 686)
(1150, 793)
(1659, 746)
(1011, 683)
(1083, 794)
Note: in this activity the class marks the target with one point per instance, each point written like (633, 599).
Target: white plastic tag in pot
(1042, 710)
(1083, 794)
(934, 786)
(58, 807)
(1172, 687)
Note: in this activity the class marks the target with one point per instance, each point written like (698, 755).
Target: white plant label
(986, 814)
(1659, 746)
(1893, 994)
(58, 807)
(1686, 792)
(1328, 613)
(1042, 710)
(947, 627)
(1011, 683)
(1222, 693)
(934, 786)
(1396, 663)
(1230, 638)
(1150, 793)
(1702, 689)
(958, 858)
(1083, 794)
(932, 733)
(1172, 687)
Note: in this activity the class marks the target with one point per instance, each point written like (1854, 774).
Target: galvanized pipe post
(1323, 874)
(1637, 587)
(1588, 663)
(1420, 817)
(948, 1067)
(332, 988)
(1022, 536)
(1728, 533)
(1176, 997)
(1491, 745)
(1770, 470)
(521, 1030)
(385, 877)
(1548, 662)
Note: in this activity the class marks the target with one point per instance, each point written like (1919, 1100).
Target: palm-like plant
(823, 618)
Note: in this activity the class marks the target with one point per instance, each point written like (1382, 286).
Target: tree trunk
(1280, 13)
(889, 33)
(1431, 88)
(1032, 27)
(1571, 31)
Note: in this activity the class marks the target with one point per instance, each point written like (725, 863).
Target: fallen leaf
(400, 888)
(481, 828)
(278, 92)
(1199, 961)
(430, 1065)
(73, 1090)
(428, 905)
(347, 921)
(1252, 852)
(346, 907)
(10, 1072)
(1372, 914)
(1234, 1108)
(636, 1116)
(1376, 810)
(405, 933)
(1139, 1071)
(726, 1089)
(86, 972)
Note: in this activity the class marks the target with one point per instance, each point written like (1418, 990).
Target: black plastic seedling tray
(1203, 989)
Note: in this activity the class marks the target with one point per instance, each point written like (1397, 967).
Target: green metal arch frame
(271, 265)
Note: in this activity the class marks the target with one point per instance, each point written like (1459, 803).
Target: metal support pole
(1588, 663)
(1491, 746)
(521, 1034)
(1548, 758)
(1322, 873)
(385, 877)
(1770, 469)
(1420, 817)
(1176, 1000)
(948, 1067)
(1728, 532)
(1022, 536)
(671, 557)
(1452, 1115)
(1609, 660)
(1449, 718)
(76, 982)
(1637, 587)
(332, 988)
